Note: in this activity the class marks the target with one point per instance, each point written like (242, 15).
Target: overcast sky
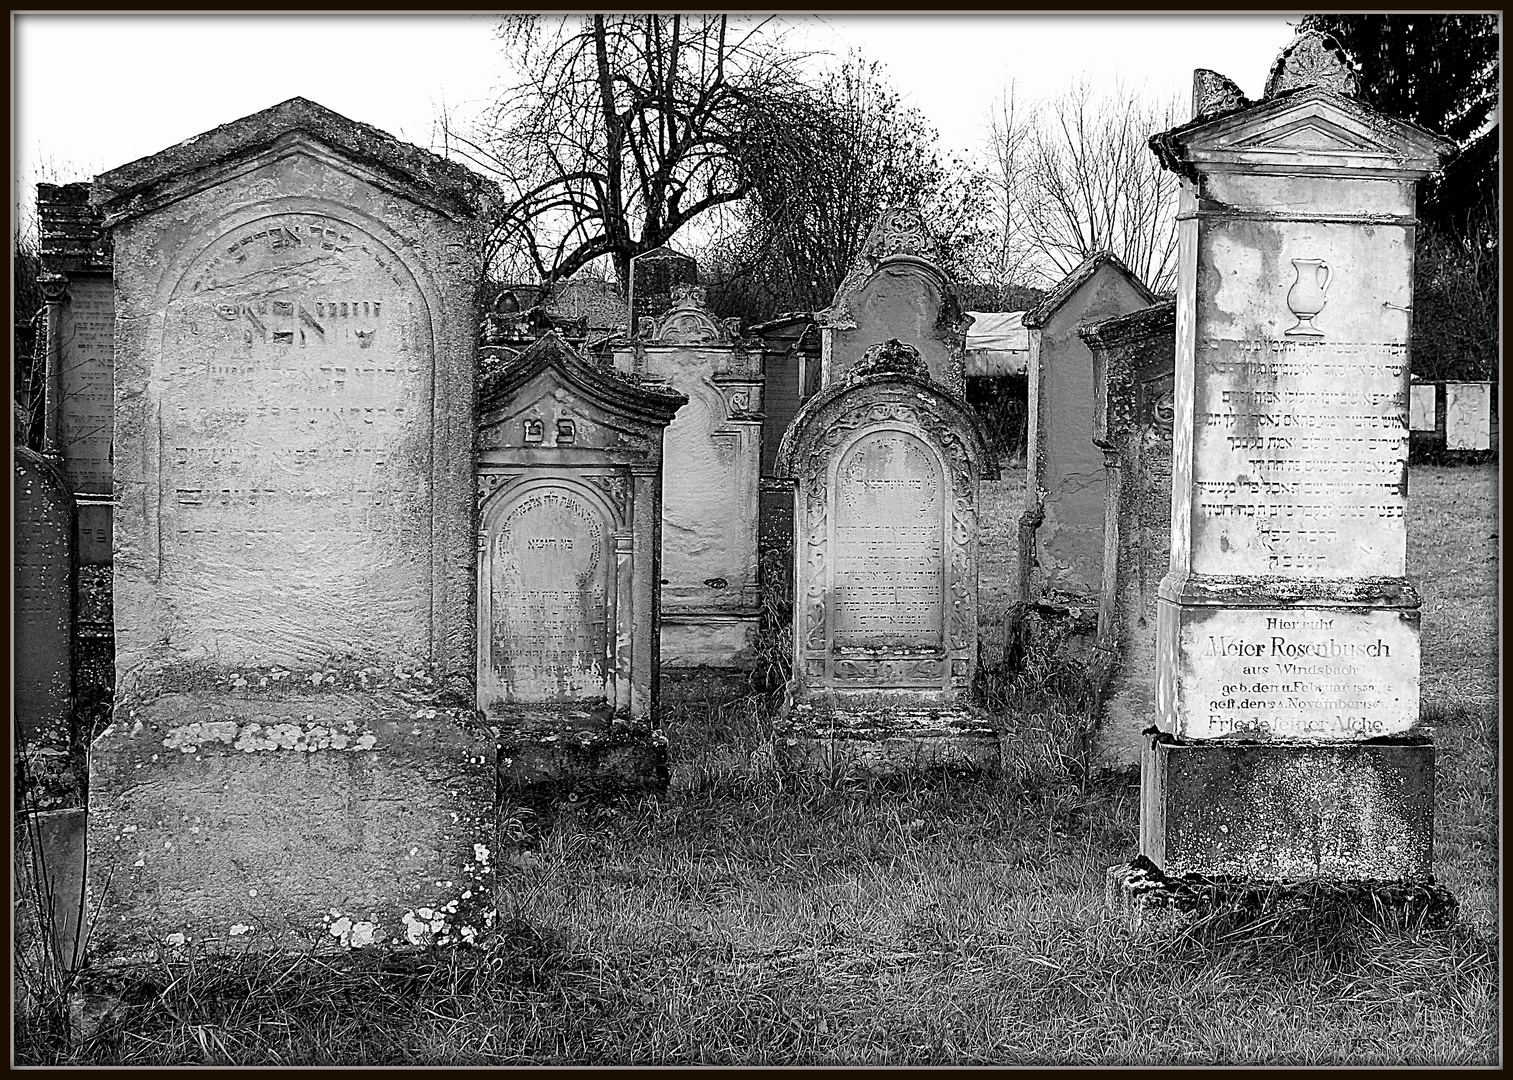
(95, 91)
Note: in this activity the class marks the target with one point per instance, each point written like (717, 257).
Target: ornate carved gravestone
(712, 454)
(886, 464)
(1061, 535)
(896, 289)
(1132, 425)
(569, 485)
(1288, 634)
(291, 748)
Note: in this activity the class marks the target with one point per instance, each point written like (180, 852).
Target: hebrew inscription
(1299, 451)
(88, 333)
(549, 582)
(888, 545)
(294, 435)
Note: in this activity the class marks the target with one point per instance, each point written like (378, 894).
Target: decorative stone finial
(891, 357)
(688, 322)
(1214, 94)
(687, 295)
(1313, 59)
(900, 231)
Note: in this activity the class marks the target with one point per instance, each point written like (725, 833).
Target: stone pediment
(296, 125)
(550, 372)
(689, 321)
(1311, 130)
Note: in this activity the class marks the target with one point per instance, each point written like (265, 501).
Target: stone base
(717, 641)
(1287, 812)
(219, 820)
(550, 754)
(886, 740)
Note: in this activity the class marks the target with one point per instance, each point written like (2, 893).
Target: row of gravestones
(302, 462)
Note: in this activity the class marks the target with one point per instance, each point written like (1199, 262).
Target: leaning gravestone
(1132, 425)
(293, 544)
(896, 290)
(569, 487)
(886, 463)
(1287, 692)
(710, 603)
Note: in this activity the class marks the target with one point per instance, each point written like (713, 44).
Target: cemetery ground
(771, 918)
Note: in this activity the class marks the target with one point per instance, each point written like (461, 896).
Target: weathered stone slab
(241, 818)
(43, 616)
(1289, 812)
(896, 290)
(1468, 414)
(569, 484)
(1421, 406)
(712, 451)
(294, 358)
(50, 852)
(1064, 484)
(1133, 373)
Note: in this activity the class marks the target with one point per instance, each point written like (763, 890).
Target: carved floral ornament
(690, 322)
(1313, 59)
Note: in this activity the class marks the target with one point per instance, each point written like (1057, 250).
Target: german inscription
(1312, 674)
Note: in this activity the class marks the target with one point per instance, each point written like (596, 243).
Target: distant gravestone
(1133, 407)
(887, 465)
(653, 277)
(713, 447)
(43, 598)
(1468, 416)
(1061, 539)
(1287, 690)
(293, 554)
(1421, 406)
(896, 290)
(569, 486)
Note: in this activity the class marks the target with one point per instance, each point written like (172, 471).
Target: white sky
(95, 91)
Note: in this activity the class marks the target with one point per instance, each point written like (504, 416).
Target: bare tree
(625, 128)
(1075, 178)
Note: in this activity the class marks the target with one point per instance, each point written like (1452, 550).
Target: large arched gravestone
(886, 465)
(295, 348)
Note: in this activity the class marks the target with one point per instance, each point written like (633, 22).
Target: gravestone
(80, 331)
(790, 345)
(712, 451)
(292, 754)
(569, 486)
(1421, 406)
(1468, 415)
(654, 275)
(886, 464)
(1061, 534)
(1287, 693)
(1133, 358)
(43, 624)
(896, 289)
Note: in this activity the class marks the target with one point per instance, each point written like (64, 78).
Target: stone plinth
(294, 358)
(896, 290)
(1285, 618)
(1280, 812)
(712, 457)
(886, 465)
(1132, 425)
(1061, 547)
(569, 487)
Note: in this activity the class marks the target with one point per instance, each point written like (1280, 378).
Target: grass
(772, 918)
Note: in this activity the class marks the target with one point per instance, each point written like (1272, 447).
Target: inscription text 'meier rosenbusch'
(887, 556)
